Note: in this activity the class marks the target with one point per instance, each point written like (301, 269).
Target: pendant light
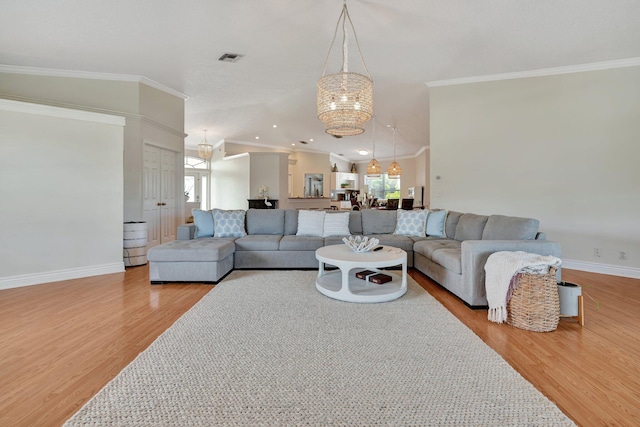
(394, 170)
(345, 99)
(373, 168)
(205, 150)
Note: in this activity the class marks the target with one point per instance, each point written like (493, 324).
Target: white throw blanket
(501, 267)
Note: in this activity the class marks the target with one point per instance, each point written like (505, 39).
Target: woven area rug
(264, 348)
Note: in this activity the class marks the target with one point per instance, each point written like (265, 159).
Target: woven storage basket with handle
(535, 305)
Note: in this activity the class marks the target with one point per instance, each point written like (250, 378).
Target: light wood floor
(62, 342)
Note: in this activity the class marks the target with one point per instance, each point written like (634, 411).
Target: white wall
(563, 149)
(230, 181)
(61, 180)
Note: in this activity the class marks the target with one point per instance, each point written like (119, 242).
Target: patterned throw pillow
(310, 223)
(204, 223)
(228, 223)
(411, 223)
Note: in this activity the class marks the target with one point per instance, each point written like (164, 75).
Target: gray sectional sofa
(455, 260)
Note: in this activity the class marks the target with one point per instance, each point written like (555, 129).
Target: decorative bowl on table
(360, 243)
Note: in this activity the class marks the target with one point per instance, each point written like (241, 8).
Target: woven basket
(535, 305)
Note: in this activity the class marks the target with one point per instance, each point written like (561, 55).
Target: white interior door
(159, 194)
(151, 193)
(168, 193)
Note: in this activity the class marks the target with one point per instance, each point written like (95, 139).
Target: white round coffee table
(343, 285)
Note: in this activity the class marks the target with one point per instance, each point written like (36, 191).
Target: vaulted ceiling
(405, 43)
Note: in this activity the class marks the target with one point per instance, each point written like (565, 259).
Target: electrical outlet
(622, 255)
(596, 252)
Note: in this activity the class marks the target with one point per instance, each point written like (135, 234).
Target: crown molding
(103, 111)
(51, 72)
(60, 112)
(595, 66)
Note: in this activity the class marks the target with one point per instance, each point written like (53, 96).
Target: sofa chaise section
(198, 260)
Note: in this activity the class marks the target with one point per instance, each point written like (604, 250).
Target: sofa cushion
(265, 221)
(258, 242)
(376, 221)
(436, 223)
(336, 224)
(501, 227)
(427, 247)
(451, 223)
(310, 223)
(395, 240)
(449, 259)
(290, 222)
(355, 222)
(411, 223)
(470, 227)
(204, 223)
(228, 223)
(203, 249)
(301, 243)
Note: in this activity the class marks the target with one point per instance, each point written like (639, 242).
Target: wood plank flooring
(60, 343)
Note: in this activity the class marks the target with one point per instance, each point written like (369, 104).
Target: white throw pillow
(411, 223)
(310, 223)
(336, 224)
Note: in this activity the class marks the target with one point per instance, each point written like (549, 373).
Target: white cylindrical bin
(135, 243)
(569, 293)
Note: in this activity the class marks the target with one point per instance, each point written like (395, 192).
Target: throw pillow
(435, 223)
(204, 223)
(310, 223)
(228, 223)
(411, 223)
(336, 224)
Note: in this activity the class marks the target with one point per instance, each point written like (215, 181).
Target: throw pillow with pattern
(411, 223)
(229, 223)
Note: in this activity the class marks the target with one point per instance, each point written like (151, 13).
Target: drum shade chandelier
(345, 99)
(205, 150)
(394, 170)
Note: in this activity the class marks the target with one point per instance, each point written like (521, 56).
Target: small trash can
(135, 243)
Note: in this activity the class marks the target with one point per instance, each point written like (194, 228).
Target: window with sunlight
(383, 187)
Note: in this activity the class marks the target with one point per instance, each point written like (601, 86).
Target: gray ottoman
(200, 260)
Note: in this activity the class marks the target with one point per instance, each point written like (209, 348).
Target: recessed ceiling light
(257, 137)
(363, 152)
(311, 139)
(275, 126)
(293, 143)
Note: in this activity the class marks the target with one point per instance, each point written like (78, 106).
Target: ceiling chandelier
(345, 99)
(205, 150)
(394, 170)
(373, 168)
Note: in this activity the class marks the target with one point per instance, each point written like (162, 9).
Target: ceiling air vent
(336, 136)
(230, 57)
(303, 142)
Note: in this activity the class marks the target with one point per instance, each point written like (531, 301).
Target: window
(383, 187)
(196, 181)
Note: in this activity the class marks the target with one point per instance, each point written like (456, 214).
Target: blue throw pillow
(411, 223)
(204, 223)
(229, 223)
(435, 223)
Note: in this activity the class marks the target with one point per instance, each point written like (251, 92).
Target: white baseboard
(594, 267)
(58, 275)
